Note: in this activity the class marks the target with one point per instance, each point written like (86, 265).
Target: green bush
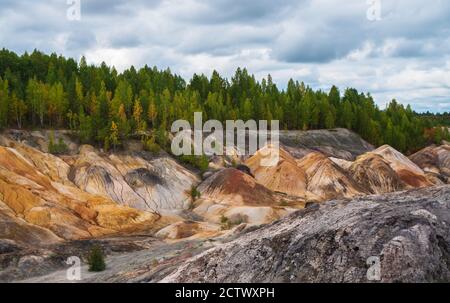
(56, 148)
(195, 194)
(200, 162)
(96, 259)
(151, 145)
(225, 222)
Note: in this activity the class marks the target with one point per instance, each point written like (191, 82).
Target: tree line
(105, 107)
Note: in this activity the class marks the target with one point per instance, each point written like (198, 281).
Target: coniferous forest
(105, 107)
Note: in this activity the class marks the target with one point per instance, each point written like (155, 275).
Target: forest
(105, 107)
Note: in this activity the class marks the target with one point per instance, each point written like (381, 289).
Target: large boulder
(404, 236)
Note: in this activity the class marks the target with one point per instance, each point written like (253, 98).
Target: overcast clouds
(405, 55)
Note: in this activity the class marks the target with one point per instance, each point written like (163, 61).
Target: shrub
(195, 194)
(56, 148)
(200, 162)
(151, 145)
(225, 222)
(96, 259)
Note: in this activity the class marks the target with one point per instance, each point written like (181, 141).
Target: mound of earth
(234, 187)
(188, 229)
(409, 173)
(434, 160)
(326, 179)
(231, 196)
(285, 177)
(374, 173)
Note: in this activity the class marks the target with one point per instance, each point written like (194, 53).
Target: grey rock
(340, 143)
(406, 233)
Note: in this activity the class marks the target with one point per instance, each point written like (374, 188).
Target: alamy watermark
(373, 13)
(237, 134)
(374, 270)
(73, 273)
(73, 12)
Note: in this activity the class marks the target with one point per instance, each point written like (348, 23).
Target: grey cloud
(80, 40)
(119, 8)
(236, 11)
(278, 37)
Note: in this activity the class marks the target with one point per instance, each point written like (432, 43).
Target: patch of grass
(226, 223)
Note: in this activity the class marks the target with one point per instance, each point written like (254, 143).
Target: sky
(390, 48)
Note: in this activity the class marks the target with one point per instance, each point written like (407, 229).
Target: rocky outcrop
(407, 234)
(339, 143)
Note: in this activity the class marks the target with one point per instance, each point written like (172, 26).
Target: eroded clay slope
(285, 176)
(238, 197)
(158, 185)
(340, 143)
(34, 206)
(409, 172)
(326, 179)
(435, 161)
(372, 172)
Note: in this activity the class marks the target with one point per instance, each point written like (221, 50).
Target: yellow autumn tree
(137, 116)
(152, 113)
(114, 135)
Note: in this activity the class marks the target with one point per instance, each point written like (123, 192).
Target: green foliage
(200, 162)
(195, 194)
(96, 259)
(39, 90)
(226, 223)
(56, 148)
(151, 145)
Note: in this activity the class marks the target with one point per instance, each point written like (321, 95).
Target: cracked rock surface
(337, 241)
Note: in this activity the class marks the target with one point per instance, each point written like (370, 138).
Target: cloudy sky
(391, 48)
